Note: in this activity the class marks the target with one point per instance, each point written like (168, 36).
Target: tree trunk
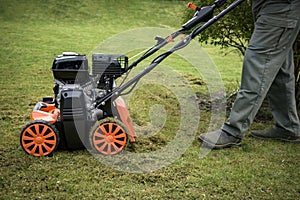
(297, 71)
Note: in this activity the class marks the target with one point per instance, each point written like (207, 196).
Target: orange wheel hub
(39, 138)
(109, 138)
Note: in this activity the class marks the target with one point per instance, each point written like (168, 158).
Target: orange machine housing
(47, 112)
(125, 118)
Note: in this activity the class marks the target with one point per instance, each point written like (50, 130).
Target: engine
(76, 91)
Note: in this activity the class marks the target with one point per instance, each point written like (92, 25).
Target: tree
(235, 29)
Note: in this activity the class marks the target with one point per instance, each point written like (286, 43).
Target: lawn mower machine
(87, 110)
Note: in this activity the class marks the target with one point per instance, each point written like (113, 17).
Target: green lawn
(33, 32)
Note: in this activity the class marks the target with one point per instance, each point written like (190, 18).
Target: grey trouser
(268, 69)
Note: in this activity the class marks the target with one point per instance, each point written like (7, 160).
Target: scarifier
(87, 110)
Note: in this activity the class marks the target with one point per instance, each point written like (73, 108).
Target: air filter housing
(109, 65)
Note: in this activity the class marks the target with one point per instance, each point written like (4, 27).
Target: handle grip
(193, 6)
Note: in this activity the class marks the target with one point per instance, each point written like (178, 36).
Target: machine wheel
(39, 138)
(108, 136)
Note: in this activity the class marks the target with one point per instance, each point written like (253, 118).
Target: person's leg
(283, 105)
(269, 46)
(268, 50)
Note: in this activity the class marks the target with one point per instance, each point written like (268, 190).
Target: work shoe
(275, 134)
(219, 139)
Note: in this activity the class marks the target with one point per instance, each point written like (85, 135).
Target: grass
(34, 32)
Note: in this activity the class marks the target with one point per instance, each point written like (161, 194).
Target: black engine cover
(74, 120)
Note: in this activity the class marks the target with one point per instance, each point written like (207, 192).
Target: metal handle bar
(201, 15)
(183, 43)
